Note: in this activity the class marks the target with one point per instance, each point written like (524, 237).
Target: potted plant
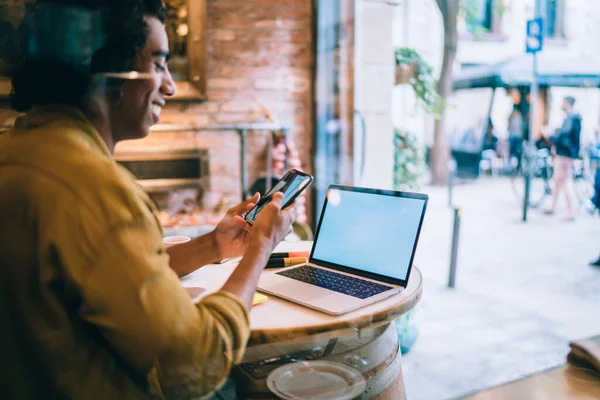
(405, 69)
(412, 69)
(408, 161)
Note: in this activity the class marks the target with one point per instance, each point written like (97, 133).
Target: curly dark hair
(44, 79)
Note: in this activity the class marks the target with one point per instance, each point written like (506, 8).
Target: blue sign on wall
(535, 35)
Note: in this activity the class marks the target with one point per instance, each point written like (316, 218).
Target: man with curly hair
(90, 301)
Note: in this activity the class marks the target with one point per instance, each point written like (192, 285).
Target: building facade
(491, 31)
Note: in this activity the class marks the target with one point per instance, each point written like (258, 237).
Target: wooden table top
(279, 320)
(565, 383)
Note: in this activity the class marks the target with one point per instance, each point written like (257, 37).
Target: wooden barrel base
(374, 353)
(380, 383)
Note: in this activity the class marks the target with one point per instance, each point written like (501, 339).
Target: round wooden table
(284, 332)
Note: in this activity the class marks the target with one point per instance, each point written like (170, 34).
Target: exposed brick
(192, 108)
(227, 83)
(235, 71)
(297, 84)
(198, 119)
(281, 107)
(302, 36)
(303, 59)
(293, 71)
(291, 49)
(247, 9)
(237, 47)
(278, 94)
(279, 23)
(238, 106)
(232, 118)
(221, 34)
(300, 119)
(217, 95)
(293, 36)
(301, 13)
(264, 59)
(252, 10)
(230, 22)
(265, 83)
(281, 2)
(250, 60)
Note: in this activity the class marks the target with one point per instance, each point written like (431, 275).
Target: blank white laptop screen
(371, 232)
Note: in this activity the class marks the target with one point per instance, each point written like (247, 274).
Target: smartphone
(291, 185)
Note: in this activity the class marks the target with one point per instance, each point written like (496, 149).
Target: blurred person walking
(566, 148)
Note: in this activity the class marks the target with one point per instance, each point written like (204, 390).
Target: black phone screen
(291, 185)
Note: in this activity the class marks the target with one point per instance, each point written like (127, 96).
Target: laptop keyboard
(340, 283)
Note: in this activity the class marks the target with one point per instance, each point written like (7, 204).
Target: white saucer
(316, 380)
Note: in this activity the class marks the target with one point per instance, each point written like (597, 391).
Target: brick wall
(257, 50)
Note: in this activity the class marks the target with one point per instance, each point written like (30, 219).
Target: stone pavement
(523, 290)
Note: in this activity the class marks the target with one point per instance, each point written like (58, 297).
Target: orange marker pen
(285, 262)
(291, 254)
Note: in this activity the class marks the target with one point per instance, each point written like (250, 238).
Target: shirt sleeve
(136, 301)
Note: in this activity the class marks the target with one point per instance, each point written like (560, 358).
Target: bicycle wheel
(516, 183)
(538, 191)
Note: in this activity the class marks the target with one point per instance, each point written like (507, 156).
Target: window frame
(493, 33)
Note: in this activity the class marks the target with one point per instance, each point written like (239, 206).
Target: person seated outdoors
(490, 140)
(469, 142)
(489, 148)
(91, 306)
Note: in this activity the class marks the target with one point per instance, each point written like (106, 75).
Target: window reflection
(334, 89)
(178, 30)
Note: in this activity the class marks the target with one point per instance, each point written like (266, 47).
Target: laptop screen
(370, 230)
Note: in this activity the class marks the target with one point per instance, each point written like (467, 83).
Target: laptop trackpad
(300, 291)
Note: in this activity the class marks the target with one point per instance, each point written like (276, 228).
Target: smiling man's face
(142, 100)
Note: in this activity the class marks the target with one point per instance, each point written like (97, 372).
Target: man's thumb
(277, 199)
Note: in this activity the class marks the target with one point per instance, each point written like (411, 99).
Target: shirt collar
(67, 116)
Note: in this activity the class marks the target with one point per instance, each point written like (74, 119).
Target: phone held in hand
(291, 185)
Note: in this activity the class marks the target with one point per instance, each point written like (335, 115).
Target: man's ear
(97, 105)
(115, 96)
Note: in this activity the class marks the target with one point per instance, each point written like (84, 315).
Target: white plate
(316, 380)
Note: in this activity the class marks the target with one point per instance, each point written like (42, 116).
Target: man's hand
(231, 235)
(272, 223)
(546, 131)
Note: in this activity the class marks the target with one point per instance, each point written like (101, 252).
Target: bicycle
(540, 161)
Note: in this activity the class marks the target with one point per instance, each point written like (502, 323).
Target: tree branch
(440, 152)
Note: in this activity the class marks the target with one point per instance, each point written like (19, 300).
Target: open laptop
(363, 251)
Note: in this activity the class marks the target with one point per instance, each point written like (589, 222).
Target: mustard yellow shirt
(89, 308)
